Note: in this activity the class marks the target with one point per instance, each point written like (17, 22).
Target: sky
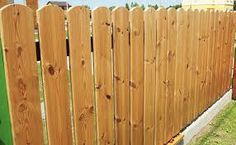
(108, 3)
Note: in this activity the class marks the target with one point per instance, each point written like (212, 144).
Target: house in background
(208, 4)
(62, 4)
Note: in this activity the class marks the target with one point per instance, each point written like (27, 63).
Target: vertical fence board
(54, 67)
(149, 75)
(225, 52)
(195, 67)
(161, 61)
(210, 57)
(200, 62)
(222, 53)
(170, 77)
(191, 58)
(205, 58)
(179, 72)
(215, 52)
(219, 49)
(136, 76)
(101, 19)
(21, 74)
(120, 21)
(81, 74)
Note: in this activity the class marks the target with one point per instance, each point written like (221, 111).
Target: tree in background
(234, 5)
(175, 6)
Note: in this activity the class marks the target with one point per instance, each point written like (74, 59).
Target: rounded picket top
(78, 9)
(149, 9)
(100, 10)
(180, 10)
(196, 11)
(136, 13)
(50, 9)
(189, 10)
(202, 11)
(120, 15)
(161, 9)
(120, 9)
(136, 10)
(171, 11)
(16, 9)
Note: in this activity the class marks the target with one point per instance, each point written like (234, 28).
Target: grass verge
(221, 131)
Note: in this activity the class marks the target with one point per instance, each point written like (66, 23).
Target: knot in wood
(22, 107)
(51, 70)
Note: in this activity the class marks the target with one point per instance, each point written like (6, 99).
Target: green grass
(221, 131)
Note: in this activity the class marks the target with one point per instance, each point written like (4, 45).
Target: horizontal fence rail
(130, 77)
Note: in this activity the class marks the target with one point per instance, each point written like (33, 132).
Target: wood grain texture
(161, 85)
(180, 69)
(137, 76)
(101, 20)
(54, 68)
(190, 81)
(219, 50)
(121, 50)
(215, 64)
(81, 75)
(17, 33)
(170, 77)
(191, 59)
(205, 39)
(200, 63)
(211, 57)
(149, 75)
(195, 67)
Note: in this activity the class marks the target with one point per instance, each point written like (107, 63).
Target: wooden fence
(151, 73)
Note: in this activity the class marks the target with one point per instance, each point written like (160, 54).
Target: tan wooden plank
(220, 39)
(120, 17)
(16, 22)
(101, 20)
(215, 64)
(184, 93)
(224, 53)
(137, 76)
(195, 66)
(205, 58)
(210, 57)
(190, 62)
(180, 70)
(54, 67)
(200, 63)
(81, 75)
(170, 80)
(161, 85)
(149, 75)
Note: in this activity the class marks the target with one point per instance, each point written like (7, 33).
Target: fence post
(234, 79)
(234, 73)
(5, 124)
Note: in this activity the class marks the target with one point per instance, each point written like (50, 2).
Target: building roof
(59, 3)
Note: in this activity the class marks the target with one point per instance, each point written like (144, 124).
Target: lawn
(221, 131)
